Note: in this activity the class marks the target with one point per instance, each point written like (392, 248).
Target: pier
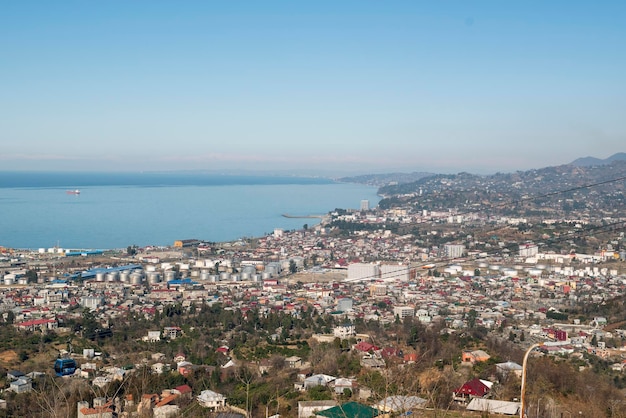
(286, 215)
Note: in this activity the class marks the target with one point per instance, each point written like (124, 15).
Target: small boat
(72, 191)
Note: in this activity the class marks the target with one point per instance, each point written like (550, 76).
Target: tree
(31, 275)
(471, 318)
(293, 268)
(245, 376)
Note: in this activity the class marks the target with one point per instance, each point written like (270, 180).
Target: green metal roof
(350, 410)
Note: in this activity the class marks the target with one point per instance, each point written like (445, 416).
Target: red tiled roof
(183, 389)
(167, 400)
(35, 322)
(473, 387)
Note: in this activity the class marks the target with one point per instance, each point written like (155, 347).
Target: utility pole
(523, 388)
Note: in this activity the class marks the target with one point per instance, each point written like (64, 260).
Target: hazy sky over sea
(355, 86)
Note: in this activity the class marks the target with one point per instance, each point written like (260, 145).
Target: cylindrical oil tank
(205, 275)
(22, 280)
(235, 278)
(154, 277)
(214, 278)
(224, 276)
(195, 273)
(256, 277)
(170, 275)
(125, 276)
(266, 275)
(135, 279)
(245, 276)
(8, 281)
(113, 276)
(100, 276)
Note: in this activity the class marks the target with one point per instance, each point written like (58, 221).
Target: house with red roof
(38, 324)
(475, 388)
(365, 347)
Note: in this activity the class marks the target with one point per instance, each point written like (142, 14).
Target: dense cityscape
(424, 304)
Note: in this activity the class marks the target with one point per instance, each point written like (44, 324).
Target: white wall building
(403, 311)
(394, 272)
(212, 400)
(362, 271)
(453, 250)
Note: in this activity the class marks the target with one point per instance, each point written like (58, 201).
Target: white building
(308, 409)
(362, 271)
(90, 302)
(21, 385)
(453, 250)
(153, 336)
(528, 250)
(403, 311)
(212, 400)
(394, 272)
(344, 331)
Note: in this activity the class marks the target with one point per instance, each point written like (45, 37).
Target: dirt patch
(8, 357)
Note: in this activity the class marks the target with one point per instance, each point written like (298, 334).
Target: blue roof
(181, 281)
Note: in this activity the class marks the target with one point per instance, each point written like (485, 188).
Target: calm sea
(115, 210)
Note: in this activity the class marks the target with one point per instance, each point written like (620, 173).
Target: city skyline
(359, 87)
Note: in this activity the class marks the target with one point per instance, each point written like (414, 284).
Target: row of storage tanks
(11, 279)
(153, 276)
(491, 269)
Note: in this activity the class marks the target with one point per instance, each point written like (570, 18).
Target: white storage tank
(100, 276)
(9, 281)
(136, 279)
(170, 275)
(154, 277)
(224, 276)
(113, 276)
(205, 276)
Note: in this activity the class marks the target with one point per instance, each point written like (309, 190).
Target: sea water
(115, 210)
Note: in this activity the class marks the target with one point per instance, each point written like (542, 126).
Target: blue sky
(344, 86)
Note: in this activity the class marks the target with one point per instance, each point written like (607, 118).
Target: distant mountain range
(395, 179)
(591, 161)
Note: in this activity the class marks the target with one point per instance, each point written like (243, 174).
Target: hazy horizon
(353, 87)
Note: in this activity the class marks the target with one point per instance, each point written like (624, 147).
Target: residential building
(211, 400)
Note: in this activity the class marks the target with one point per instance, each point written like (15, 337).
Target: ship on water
(76, 191)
